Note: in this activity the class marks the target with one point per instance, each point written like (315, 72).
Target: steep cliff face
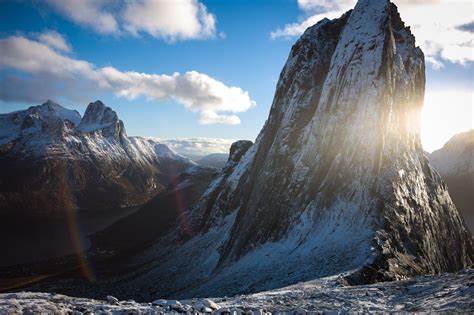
(52, 160)
(339, 160)
(455, 162)
(337, 181)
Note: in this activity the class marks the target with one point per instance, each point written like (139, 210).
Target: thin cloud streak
(198, 146)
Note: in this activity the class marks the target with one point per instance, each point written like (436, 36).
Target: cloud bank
(170, 20)
(198, 146)
(35, 70)
(443, 28)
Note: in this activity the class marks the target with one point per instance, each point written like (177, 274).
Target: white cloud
(54, 40)
(33, 57)
(209, 117)
(324, 5)
(91, 13)
(170, 20)
(436, 24)
(211, 99)
(295, 29)
(183, 19)
(199, 146)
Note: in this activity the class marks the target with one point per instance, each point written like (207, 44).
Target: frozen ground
(447, 293)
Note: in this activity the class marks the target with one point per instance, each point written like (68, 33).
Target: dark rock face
(237, 150)
(51, 160)
(342, 147)
(103, 118)
(455, 163)
(337, 182)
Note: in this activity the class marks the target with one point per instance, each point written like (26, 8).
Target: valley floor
(448, 292)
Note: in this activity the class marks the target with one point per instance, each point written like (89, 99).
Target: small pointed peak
(50, 103)
(96, 107)
(98, 103)
(98, 116)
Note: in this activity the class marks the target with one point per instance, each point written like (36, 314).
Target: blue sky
(241, 44)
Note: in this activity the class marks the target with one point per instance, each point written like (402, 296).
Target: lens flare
(180, 203)
(72, 221)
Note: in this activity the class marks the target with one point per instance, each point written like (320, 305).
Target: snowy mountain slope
(445, 293)
(336, 182)
(13, 124)
(455, 163)
(52, 160)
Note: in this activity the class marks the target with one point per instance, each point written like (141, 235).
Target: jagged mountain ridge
(52, 159)
(358, 165)
(455, 162)
(336, 182)
(343, 137)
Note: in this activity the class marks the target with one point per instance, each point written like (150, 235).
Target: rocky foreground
(446, 293)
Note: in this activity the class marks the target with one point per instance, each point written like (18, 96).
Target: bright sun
(445, 113)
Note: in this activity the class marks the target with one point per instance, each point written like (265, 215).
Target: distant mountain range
(217, 160)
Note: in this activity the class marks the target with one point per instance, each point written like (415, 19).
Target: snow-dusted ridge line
(93, 154)
(11, 123)
(98, 128)
(441, 293)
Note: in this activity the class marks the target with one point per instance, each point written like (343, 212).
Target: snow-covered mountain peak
(50, 109)
(50, 104)
(98, 116)
(36, 120)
